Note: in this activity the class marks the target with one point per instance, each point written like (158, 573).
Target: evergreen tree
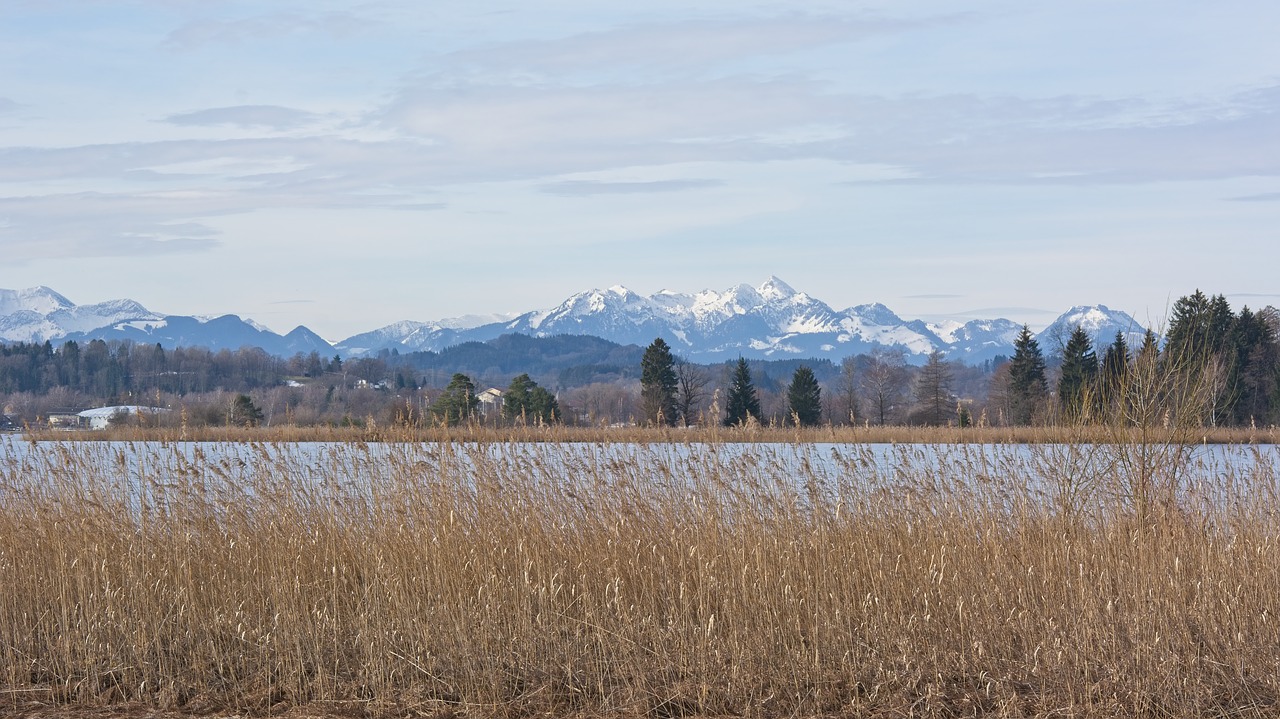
(244, 413)
(933, 390)
(1114, 371)
(1027, 383)
(1199, 329)
(458, 402)
(742, 401)
(804, 397)
(658, 384)
(1150, 349)
(526, 401)
(1199, 349)
(1079, 373)
(543, 405)
(1255, 366)
(515, 401)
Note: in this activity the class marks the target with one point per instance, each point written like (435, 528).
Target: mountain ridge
(770, 321)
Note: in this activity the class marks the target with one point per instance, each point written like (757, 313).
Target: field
(480, 578)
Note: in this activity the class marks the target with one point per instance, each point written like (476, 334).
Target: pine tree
(1150, 349)
(1255, 365)
(458, 402)
(543, 405)
(526, 401)
(742, 401)
(933, 390)
(244, 413)
(804, 397)
(1114, 371)
(515, 401)
(1199, 330)
(1027, 383)
(658, 384)
(1079, 373)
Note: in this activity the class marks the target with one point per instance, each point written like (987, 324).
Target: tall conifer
(742, 401)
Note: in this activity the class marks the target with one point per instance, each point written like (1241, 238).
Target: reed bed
(511, 579)
(373, 432)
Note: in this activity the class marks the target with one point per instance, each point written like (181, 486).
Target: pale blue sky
(344, 165)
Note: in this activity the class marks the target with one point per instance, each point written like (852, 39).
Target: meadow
(666, 577)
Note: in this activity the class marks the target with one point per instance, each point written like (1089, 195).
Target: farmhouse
(490, 402)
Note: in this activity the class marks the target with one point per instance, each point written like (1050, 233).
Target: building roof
(120, 409)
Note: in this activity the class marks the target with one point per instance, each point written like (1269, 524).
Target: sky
(346, 165)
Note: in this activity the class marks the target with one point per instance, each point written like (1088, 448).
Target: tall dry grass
(1101, 432)
(662, 580)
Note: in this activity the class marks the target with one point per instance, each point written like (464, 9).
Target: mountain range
(39, 314)
(771, 321)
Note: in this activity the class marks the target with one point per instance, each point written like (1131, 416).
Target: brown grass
(1101, 433)
(659, 580)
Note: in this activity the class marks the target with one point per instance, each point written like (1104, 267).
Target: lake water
(823, 467)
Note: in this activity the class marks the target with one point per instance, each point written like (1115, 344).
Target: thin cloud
(269, 116)
(204, 32)
(932, 297)
(1264, 197)
(7, 105)
(584, 188)
(671, 45)
(996, 311)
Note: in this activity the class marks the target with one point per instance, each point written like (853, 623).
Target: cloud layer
(162, 129)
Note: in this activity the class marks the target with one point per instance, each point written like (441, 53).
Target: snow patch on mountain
(769, 320)
(38, 300)
(1100, 322)
(44, 315)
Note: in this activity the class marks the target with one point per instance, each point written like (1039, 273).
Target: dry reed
(662, 580)
(871, 434)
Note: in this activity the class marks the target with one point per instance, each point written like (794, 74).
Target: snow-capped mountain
(39, 314)
(772, 320)
(43, 314)
(217, 333)
(40, 300)
(410, 336)
(1100, 322)
(977, 340)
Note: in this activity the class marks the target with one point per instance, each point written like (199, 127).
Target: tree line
(1223, 365)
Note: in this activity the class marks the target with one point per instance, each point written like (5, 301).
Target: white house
(490, 402)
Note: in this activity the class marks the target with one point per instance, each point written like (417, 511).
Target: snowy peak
(875, 313)
(39, 315)
(40, 300)
(775, 289)
(1100, 322)
(770, 320)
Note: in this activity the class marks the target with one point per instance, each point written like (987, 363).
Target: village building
(490, 402)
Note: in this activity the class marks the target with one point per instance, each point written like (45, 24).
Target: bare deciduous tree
(692, 390)
(884, 383)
